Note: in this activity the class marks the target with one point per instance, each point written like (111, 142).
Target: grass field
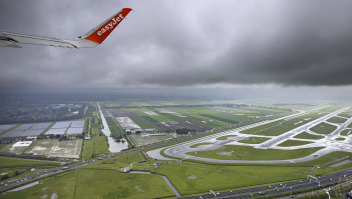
(340, 139)
(114, 128)
(18, 162)
(337, 120)
(158, 118)
(254, 140)
(127, 186)
(289, 143)
(282, 126)
(345, 132)
(9, 166)
(225, 137)
(101, 145)
(233, 152)
(323, 128)
(190, 118)
(343, 114)
(82, 182)
(88, 149)
(200, 144)
(141, 141)
(194, 178)
(219, 118)
(306, 135)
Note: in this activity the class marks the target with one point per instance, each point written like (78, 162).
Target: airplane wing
(89, 40)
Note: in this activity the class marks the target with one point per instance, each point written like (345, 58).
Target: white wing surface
(89, 40)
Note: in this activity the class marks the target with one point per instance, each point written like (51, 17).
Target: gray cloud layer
(181, 43)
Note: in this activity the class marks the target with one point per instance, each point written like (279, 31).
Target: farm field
(56, 148)
(7, 148)
(234, 152)
(100, 145)
(323, 128)
(141, 141)
(306, 135)
(114, 128)
(88, 149)
(144, 124)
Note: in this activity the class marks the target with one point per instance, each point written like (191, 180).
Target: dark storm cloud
(181, 44)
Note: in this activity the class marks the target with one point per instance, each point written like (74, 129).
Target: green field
(345, 132)
(289, 143)
(323, 128)
(337, 120)
(138, 140)
(82, 184)
(101, 145)
(200, 144)
(234, 152)
(340, 139)
(306, 135)
(219, 118)
(343, 114)
(18, 162)
(225, 137)
(282, 126)
(192, 119)
(144, 124)
(114, 128)
(349, 125)
(254, 140)
(158, 118)
(9, 166)
(88, 149)
(191, 178)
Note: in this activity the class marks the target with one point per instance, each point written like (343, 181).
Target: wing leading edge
(89, 40)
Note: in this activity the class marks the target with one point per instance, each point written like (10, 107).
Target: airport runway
(328, 142)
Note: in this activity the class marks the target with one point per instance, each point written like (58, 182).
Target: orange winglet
(103, 32)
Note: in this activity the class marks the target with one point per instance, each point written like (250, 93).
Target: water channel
(113, 145)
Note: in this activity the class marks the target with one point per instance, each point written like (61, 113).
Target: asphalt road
(22, 180)
(281, 188)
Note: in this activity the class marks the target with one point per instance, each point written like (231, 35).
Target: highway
(22, 180)
(282, 188)
(278, 188)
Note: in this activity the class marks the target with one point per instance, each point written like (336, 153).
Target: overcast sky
(182, 44)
